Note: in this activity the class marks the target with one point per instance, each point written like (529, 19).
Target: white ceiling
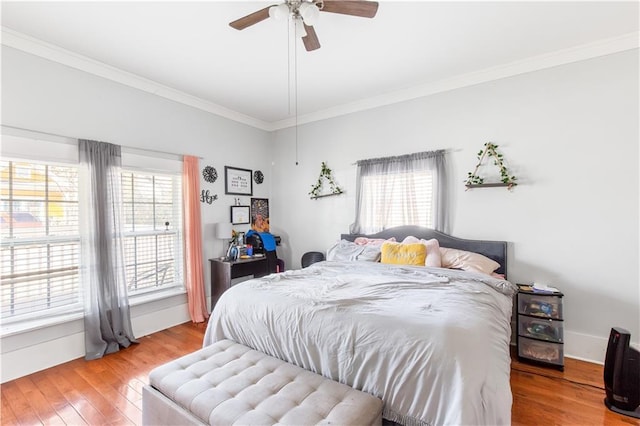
(188, 52)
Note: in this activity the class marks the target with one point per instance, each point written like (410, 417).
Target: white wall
(48, 97)
(569, 133)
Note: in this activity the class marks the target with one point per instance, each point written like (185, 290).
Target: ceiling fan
(304, 14)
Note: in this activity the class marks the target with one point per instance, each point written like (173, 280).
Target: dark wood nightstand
(223, 271)
(540, 327)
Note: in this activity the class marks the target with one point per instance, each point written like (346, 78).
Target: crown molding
(57, 54)
(62, 56)
(561, 57)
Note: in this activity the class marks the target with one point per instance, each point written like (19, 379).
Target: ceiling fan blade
(253, 18)
(362, 8)
(310, 41)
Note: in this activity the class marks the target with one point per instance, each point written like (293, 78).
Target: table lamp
(224, 231)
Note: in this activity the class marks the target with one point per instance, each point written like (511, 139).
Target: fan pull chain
(295, 77)
(289, 67)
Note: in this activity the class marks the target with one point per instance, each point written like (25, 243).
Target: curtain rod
(399, 157)
(69, 137)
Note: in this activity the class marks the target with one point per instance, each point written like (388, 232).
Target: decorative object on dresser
(540, 337)
(490, 151)
(325, 175)
(237, 181)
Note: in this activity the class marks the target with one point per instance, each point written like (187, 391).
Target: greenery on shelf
(490, 151)
(325, 174)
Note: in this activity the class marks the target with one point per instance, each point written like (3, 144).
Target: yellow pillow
(403, 254)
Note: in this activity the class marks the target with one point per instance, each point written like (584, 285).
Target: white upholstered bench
(228, 383)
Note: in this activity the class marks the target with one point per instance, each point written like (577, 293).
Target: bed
(432, 343)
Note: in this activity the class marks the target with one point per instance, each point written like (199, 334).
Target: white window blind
(40, 240)
(152, 205)
(395, 199)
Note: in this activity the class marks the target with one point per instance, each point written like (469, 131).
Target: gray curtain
(107, 320)
(386, 185)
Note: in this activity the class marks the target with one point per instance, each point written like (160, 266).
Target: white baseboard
(586, 347)
(41, 355)
(31, 351)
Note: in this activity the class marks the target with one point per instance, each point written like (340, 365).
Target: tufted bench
(228, 383)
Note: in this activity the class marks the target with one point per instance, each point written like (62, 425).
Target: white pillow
(364, 241)
(346, 250)
(433, 250)
(467, 260)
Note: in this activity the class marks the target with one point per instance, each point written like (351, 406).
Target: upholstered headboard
(496, 250)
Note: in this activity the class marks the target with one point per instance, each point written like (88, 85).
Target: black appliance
(622, 374)
(255, 241)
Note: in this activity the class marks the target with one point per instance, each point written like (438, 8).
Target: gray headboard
(496, 250)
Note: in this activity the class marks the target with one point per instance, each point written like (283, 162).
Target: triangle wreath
(490, 150)
(325, 175)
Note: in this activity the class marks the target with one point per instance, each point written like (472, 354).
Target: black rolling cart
(540, 337)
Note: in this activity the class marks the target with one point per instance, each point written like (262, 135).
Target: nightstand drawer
(547, 352)
(540, 306)
(540, 328)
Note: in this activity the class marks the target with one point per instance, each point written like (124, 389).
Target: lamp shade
(280, 11)
(309, 13)
(224, 230)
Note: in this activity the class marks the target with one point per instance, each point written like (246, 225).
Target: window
(152, 205)
(40, 246)
(403, 190)
(394, 199)
(40, 240)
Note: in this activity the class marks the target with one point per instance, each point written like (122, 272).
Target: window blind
(40, 239)
(152, 204)
(395, 199)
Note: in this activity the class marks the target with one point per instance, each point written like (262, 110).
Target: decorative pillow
(364, 241)
(346, 250)
(467, 260)
(433, 250)
(403, 254)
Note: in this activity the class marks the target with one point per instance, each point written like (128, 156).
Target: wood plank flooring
(109, 391)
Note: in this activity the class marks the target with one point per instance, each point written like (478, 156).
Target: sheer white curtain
(404, 190)
(107, 319)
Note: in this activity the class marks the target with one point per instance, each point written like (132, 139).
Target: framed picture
(260, 214)
(239, 215)
(237, 181)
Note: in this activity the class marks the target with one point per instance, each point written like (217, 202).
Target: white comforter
(432, 343)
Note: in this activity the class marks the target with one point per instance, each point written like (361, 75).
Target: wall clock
(209, 174)
(258, 177)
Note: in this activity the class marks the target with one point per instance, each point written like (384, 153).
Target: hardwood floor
(109, 390)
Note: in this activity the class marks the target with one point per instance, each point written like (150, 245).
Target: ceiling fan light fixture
(309, 12)
(279, 12)
(300, 31)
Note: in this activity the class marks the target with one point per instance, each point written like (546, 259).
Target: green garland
(490, 150)
(325, 173)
